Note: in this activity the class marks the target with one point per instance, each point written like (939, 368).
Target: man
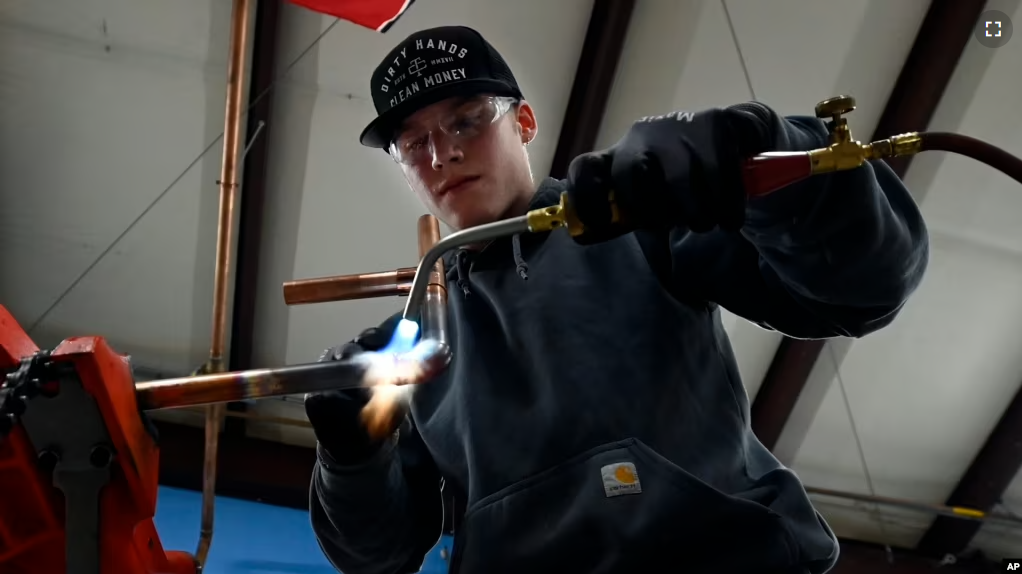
(592, 418)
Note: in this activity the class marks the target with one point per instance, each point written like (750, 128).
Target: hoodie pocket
(620, 507)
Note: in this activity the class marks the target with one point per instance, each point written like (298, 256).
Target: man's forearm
(852, 239)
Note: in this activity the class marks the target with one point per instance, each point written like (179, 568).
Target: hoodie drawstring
(459, 264)
(520, 265)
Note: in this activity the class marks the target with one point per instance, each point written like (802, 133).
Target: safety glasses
(465, 123)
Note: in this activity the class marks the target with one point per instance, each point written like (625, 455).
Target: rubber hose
(978, 150)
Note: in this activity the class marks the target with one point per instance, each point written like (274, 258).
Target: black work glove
(335, 415)
(680, 169)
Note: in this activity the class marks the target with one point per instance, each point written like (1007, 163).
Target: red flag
(378, 15)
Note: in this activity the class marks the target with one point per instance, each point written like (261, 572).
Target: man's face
(466, 159)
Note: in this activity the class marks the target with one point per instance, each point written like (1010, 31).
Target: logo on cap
(416, 66)
(410, 71)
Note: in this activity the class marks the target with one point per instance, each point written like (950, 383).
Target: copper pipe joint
(349, 287)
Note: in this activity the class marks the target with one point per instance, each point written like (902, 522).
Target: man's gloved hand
(682, 168)
(335, 415)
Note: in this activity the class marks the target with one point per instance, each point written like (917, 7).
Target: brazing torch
(762, 175)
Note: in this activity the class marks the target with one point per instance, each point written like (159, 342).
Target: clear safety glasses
(466, 122)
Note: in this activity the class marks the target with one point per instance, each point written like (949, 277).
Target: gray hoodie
(593, 419)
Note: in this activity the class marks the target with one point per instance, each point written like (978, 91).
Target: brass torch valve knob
(834, 110)
(843, 152)
(835, 107)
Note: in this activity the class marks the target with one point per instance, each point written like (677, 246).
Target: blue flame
(403, 340)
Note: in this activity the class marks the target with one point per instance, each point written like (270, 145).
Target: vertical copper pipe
(434, 308)
(214, 418)
(229, 179)
(429, 235)
(224, 236)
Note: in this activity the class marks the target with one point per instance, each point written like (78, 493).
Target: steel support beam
(982, 485)
(594, 76)
(864, 558)
(939, 44)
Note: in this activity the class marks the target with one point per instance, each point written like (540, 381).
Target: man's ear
(526, 125)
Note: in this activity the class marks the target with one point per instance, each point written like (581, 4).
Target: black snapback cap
(430, 66)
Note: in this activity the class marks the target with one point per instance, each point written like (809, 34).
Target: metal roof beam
(940, 41)
(594, 77)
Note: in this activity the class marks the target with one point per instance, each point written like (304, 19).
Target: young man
(592, 418)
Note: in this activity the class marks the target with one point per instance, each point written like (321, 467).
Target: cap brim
(380, 131)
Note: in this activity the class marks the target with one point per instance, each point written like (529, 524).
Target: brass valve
(844, 152)
(767, 172)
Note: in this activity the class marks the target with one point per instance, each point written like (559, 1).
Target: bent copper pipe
(349, 287)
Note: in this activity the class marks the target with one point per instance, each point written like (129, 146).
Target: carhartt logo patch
(620, 478)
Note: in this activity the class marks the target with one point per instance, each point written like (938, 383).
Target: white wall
(102, 106)
(926, 392)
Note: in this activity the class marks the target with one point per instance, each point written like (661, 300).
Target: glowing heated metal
(417, 364)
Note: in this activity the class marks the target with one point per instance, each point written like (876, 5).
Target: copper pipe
(214, 388)
(429, 235)
(349, 287)
(229, 179)
(224, 234)
(434, 310)
(214, 418)
(363, 371)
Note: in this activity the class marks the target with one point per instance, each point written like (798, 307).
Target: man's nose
(444, 149)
